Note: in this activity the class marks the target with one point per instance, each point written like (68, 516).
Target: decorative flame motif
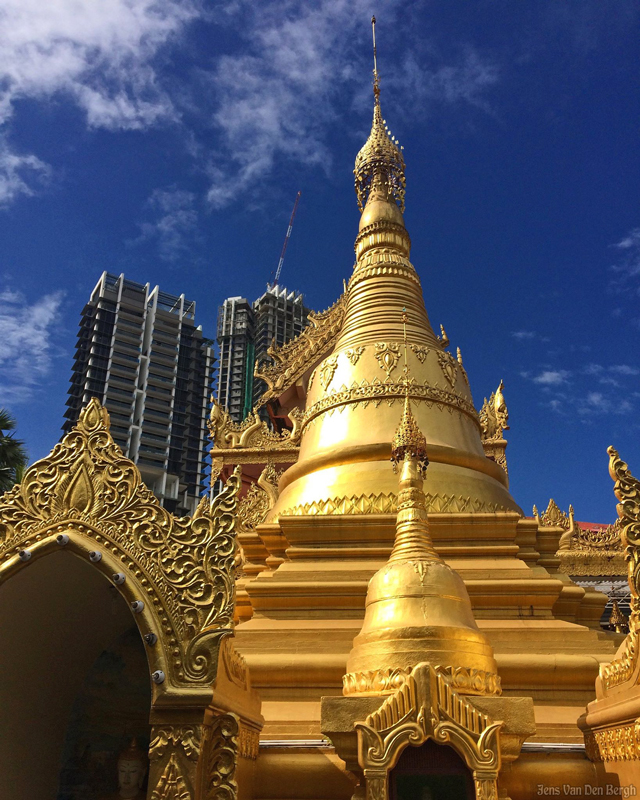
(327, 371)
(388, 355)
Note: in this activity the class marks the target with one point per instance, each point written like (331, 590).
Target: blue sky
(167, 140)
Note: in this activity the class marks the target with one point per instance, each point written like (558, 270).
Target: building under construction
(245, 333)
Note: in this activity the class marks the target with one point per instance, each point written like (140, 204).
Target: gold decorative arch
(427, 707)
(176, 574)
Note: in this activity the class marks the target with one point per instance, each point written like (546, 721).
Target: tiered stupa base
(308, 611)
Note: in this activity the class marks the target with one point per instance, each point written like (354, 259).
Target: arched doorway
(430, 772)
(56, 619)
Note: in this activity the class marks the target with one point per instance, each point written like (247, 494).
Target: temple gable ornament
(178, 578)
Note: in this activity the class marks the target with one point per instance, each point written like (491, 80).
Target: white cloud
(624, 369)
(551, 377)
(629, 267)
(19, 174)
(25, 343)
(280, 98)
(598, 401)
(612, 398)
(99, 53)
(593, 369)
(523, 335)
(174, 225)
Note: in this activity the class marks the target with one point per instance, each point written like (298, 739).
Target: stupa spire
(357, 392)
(379, 169)
(409, 455)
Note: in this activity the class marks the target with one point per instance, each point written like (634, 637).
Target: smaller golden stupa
(417, 608)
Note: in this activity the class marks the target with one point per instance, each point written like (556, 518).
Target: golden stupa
(325, 628)
(309, 618)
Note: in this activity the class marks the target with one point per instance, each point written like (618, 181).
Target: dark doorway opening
(431, 772)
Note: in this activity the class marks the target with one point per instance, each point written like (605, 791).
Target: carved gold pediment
(252, 432)
(427, 707)
(293, 359)
(553, 517)
(88, 497)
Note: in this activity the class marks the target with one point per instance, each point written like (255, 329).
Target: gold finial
(459, 354)
(444, 339)
(617, 620)
(409, 441)
(376, 78)
(379, 168)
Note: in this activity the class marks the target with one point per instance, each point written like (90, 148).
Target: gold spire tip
(376, 78)
(409, 441)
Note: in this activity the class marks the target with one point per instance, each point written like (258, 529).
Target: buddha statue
(132, 769)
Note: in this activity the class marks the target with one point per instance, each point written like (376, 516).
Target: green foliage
(13, 455)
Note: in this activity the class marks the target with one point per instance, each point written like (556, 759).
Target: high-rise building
(280, 316)
(245, 332)
(236, 340)
(141, 354)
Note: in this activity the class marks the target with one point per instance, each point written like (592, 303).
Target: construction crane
(286, 242)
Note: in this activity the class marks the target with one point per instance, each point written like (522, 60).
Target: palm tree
(13, 456)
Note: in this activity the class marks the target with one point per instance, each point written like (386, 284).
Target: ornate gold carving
(249, 746)
(607, 538)
(553, 517)
(327, 371)
(216, 468)
(387, 504)
(494, 420)
(420, 351)
(443, 338)
(375, 264)
(387, 355)
(427, 707)
(494, 417)
(354, 354)
(365, 393)
(293, 359)
(448, 366)
(379, 162)
(597, 551)
(617, 620)
(234, 664)
(220, 758)
(591, 562)
(170, 738)
(251, 432)
(461, 366)
(311, 379)
(409, 441)
(614, 744)
(486, 789)
(382, 681)
(184, 566)
(172, 785)
(259, 500)
(627, 491)
(496, 453)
